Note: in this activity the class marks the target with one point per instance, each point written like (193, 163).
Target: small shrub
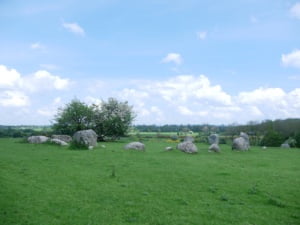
(174, 137)
(272, 139)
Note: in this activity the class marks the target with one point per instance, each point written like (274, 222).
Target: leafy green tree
(112, 119)
(272, 139)
(73, 117)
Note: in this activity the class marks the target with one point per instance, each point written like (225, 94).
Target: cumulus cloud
(292, 59)
(15, 88)
(187, 88)
(295, 10)
(13, 98)
(202, 35)
(74, 28)
(43, 80)
(173, 57)
(8, 77)
(262, 95)
(194, 99)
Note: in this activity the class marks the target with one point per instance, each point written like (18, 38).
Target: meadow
(48, 184)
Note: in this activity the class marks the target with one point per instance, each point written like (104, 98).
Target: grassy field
(47, 184)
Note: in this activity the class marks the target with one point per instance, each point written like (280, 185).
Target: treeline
(24, 131)
(287, 128)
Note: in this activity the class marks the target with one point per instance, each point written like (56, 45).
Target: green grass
(48, 184)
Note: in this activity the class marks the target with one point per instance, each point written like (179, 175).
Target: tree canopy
(110, 120)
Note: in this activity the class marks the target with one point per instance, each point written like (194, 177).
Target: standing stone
(65, 138)
(135, 146)
(285, 145)
(214, 148)
(187, 147)
(37, 139)
(85, 137)
(213, 139)
(241, 143)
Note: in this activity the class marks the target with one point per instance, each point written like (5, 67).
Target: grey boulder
(58, 142)
(135, 146)
(169, 148)
(87, 138)
(37, 139)
(187, 147)
(213, 139)
(285, 145)
(65, 138)
(241, 143)
(214, 148)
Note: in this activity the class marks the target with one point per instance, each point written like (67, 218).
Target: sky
(175, 62)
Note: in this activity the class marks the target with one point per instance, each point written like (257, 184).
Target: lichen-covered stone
(187, 147)
(285, 145)
(214, 148)
(37, 139)
(241, 143)
(135, 146)
(213, 139)
(85, 137)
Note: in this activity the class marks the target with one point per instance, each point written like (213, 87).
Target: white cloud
(40, 80)
(295, 10)
(74, 28)
(13, 98)
(202, 35)
(185, 110)
(292, 59)
(262, 95)
(180, 99)
(92, 100)
(137, 98)
(43, 80)
(173, 57)
(49, 111)
(37, 46)
(8, 77)
(187, 88)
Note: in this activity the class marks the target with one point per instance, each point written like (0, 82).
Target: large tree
(112, 119)
(75, 116)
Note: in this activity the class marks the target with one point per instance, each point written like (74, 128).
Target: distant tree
(112, 119)
(75, 116)
(272, 139)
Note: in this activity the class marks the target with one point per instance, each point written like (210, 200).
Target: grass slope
(47, 184)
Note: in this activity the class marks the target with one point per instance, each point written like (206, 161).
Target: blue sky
(175, 61)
